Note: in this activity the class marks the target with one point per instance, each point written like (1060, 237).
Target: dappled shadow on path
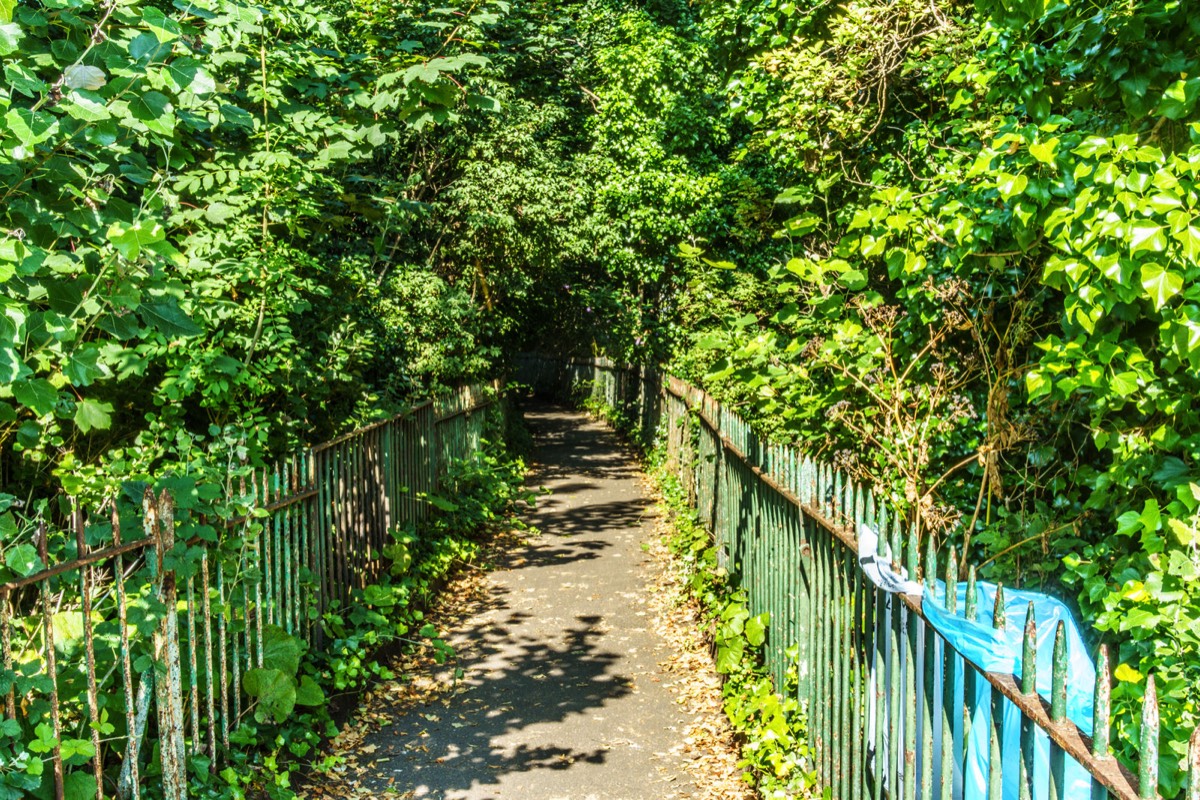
(570, 448)
(558, 517)
(516, 680)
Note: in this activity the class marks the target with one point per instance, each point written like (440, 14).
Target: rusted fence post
(160, 525)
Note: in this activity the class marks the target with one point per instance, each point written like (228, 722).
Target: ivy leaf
(281, 650)
(1151, 517)
(853, 280)
(483, 102)
(163, 27)
(309, 693)
(31, 127)
(146, 45)
(1010, 185)
(1092, 146)
(38, 395)
(190, 76)
(1036, 384)
(219, 213)
(1184, 536)
(85, 106)
(93, 415)
(802, 224)
(729, 655)
(10, 36)
(1160, 284)
(23, 559)
(1189, 239)
(756, 630)
(1127, 674)
(130, 240)
(1146, 236)
(155, 110)
(1124, 383)
(11, 365)
(83, 366)
(24, 80)
(441, 503)
(1179, 99)
(1044, 151)
(237, 117)
(79, 785)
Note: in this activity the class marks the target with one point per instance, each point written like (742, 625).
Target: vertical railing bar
(1058, 711)
(194, 689)
(839, 750)
(929, 675)
(160, 524)
(279, 562)
(51, 664)
(89, 645)
(910, 675)
(247, 624)
(1028, 688)
(1192, 792)
(10, 697)
(880, 649)
(899, 639)
(209, 683)
(950, 671)
(225, 644)
(263, 602)
(132, 747)
(998, 743)
(1148, 740)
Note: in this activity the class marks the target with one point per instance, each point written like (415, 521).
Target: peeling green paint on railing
(868, 665)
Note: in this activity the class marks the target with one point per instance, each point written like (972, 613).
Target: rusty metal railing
(132, 654)
(887, 698)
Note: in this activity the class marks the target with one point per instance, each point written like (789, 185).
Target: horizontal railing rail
(172, 687)
(893, 709)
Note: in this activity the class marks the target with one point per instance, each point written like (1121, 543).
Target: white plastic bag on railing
(1000, 651)
(878, 567)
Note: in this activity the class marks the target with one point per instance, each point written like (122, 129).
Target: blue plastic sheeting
(1000, 651)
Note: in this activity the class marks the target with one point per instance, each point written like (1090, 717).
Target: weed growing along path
(570, 688)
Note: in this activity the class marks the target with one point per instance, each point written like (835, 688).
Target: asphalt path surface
(564, 696)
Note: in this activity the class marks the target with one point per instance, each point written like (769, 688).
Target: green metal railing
(318, 523)
(887, 699)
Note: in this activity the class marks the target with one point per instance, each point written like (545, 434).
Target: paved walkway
(565, 696)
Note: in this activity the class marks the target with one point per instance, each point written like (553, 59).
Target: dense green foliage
(951, 246)
(201, 222)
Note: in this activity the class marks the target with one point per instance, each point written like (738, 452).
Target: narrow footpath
(567, 690)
